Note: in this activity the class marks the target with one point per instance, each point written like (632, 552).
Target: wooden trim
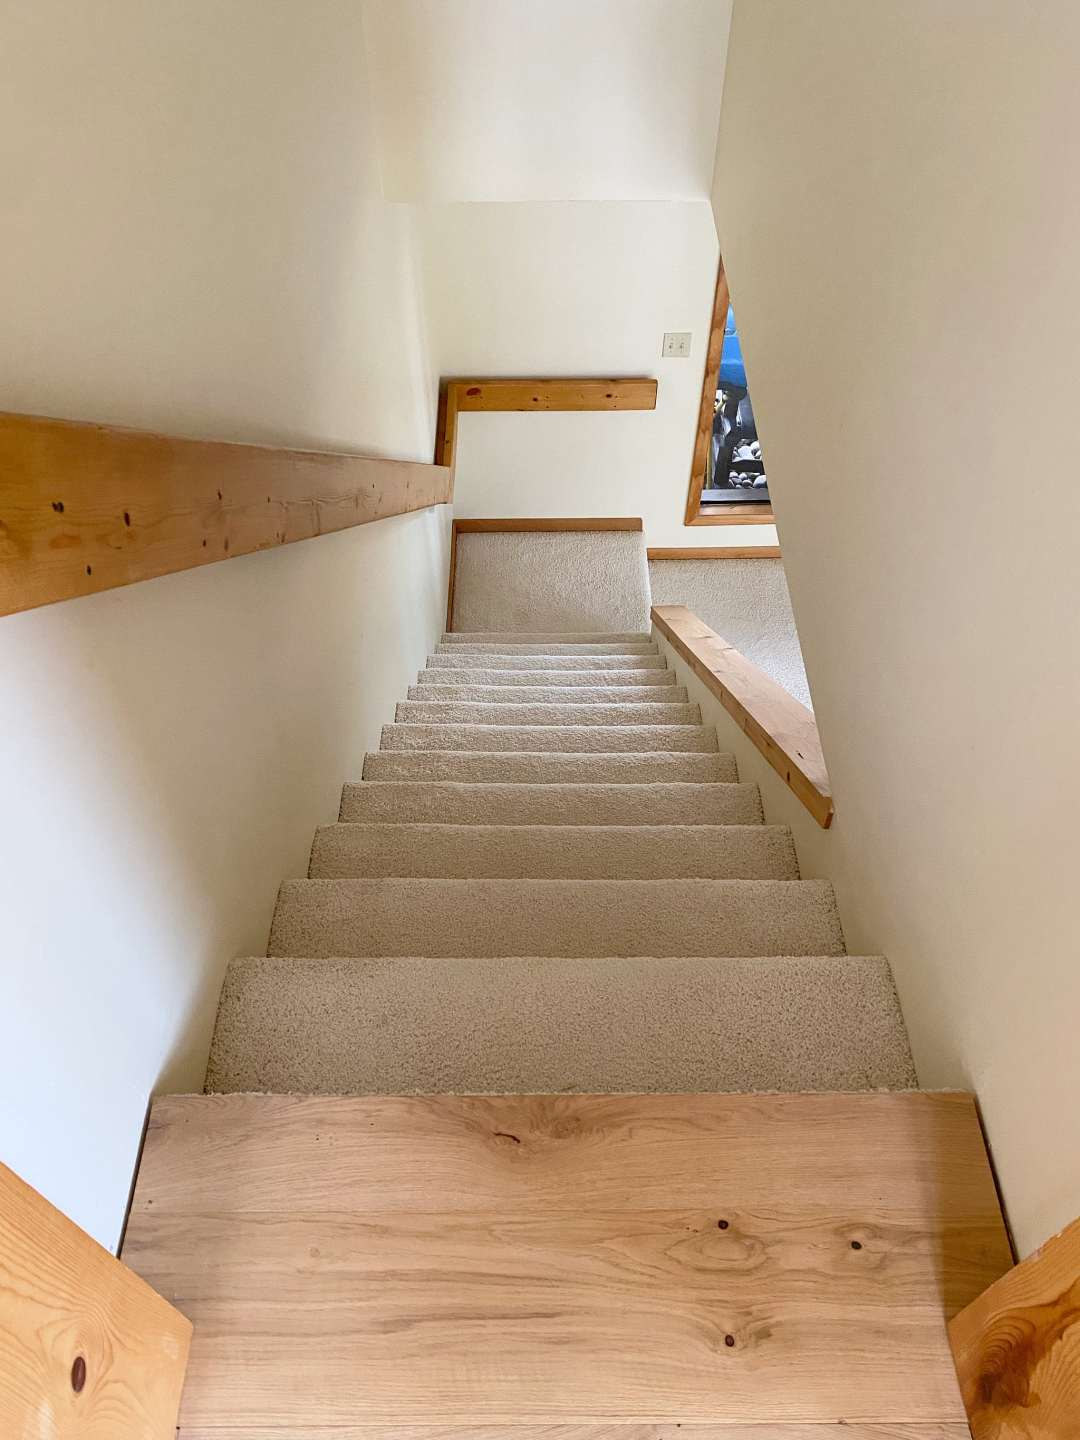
(503, 393)
(517, 523)
(696, 512)
(727, 552)
(782, 729)
(86, 1346)
(1017, 1347)
(85, 508)
(546, 522)
(721, 300)
(734, 515)
(452, 576)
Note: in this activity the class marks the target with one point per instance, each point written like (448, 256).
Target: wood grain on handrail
(86, 507)
(500, 393)
(1017, 1347)
(782, 729)
(87, 1348)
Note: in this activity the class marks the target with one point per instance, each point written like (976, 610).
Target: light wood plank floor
(688, 1267)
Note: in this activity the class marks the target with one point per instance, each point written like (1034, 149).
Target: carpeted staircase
(549, 879)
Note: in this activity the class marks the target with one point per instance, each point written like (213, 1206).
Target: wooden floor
(735, 1267)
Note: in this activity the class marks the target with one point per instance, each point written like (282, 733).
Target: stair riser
(573, 738)
(453, 659)
(579, 679)
(647, 647)
(321, 918)
(606, 1025)
(551, 768)
(449, 712)
(447, 803)
(553, 852)
(542, 637)
(551, 695)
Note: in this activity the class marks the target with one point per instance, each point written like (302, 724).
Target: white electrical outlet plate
(677, 344)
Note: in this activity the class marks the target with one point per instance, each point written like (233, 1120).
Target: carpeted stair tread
(574, 917)
(448, 802)
(551, 767)
(454, 658)
(549, 679)
(553, 852)
(575, 738)
(549, 647)
(469, 712)
(411, 1025)
(552, 695)
(541, 637)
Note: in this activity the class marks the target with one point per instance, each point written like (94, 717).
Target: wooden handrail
(1017, 1347)
(782, 728)
(86, 507)
(458, 394)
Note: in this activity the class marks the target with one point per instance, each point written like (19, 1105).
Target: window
(728, 483)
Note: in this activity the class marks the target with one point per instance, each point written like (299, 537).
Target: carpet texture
(468, 712)
(598, 739)
(561, 795)
(640, 1024)
(448, 802)
(574, 917)
(554, 694)
(577, 581)
(550, 768)
(452, 657)
(553, 852)
(588, 678)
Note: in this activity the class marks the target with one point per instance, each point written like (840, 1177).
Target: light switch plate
(677, 344)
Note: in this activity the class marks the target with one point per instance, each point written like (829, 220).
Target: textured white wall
(904, 261)
(510, 100)
(195, 240)
(577, 289)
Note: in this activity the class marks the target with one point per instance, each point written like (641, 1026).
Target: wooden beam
(85, 508)
(727, 552)
(734, 514)
(86, 1347)
(1017, 1348)
(698, 463)
(782, 729)
(502, 393)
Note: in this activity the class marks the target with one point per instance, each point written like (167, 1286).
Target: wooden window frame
(698, 513)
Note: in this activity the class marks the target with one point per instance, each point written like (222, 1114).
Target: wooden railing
(782, 729)
(459, 394)
(1017, 1347)
(85, 507)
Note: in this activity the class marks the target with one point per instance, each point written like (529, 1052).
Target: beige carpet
(579, 581)
(604, 829)
(530, 1025)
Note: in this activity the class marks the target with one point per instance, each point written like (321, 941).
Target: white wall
(511, 100)
(195, 240)
(904, 260)
(539, 289)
